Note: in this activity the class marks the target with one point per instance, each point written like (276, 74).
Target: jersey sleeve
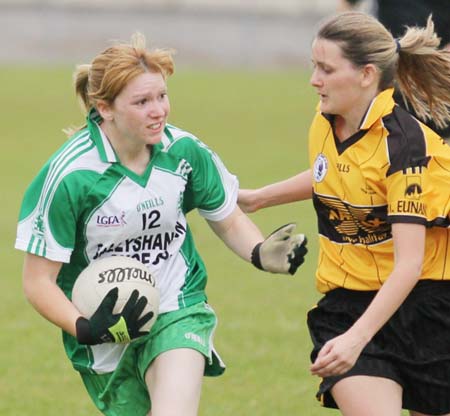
(47, 222)
(409, 183)
(408, 196)
(211, 188)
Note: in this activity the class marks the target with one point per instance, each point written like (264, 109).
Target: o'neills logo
(122, 274)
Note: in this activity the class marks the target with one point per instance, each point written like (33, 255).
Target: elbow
(27, 289)
(412, 268)
(417, 272)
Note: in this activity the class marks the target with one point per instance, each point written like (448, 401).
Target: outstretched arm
(280, 252)
(296, 188)
(238, 232)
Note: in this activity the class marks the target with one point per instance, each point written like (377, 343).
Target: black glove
(280, 252)
(104, 326)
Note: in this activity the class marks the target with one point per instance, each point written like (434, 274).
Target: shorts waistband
(423, 287)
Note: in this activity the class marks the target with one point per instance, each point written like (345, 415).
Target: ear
(105, 110)
(370, 75)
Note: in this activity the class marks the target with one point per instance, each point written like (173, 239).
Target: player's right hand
(106, 326)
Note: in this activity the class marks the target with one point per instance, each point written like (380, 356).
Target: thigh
(368, 396)
(191, 328)
(174, 381)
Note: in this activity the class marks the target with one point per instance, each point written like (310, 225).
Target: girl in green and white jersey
(122, 185)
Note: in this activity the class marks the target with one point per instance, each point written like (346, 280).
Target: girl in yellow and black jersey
(379, 180)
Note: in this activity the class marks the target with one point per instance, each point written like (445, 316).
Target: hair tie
(398, 47)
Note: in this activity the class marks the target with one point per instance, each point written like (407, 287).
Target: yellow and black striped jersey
(394, 169)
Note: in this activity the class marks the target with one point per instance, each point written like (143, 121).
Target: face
(139, 113)
(337, 81)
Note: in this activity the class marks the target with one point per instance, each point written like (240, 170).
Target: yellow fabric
(394, 169)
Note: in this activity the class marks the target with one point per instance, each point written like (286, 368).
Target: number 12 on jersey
(151, 220)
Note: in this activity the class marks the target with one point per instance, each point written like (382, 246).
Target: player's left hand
(338, 355)
(281, 252)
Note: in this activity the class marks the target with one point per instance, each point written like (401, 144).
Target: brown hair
(415, 62)
(111, 70)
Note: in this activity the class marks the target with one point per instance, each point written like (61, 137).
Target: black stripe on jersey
(408, 219)
(342, 146)
(350, 224)
(405, 141)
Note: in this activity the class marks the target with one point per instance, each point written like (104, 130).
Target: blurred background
(241, 85)
(225, 33)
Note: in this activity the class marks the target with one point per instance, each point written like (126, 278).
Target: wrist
(364, 334)
(83, 331)
(255, 257)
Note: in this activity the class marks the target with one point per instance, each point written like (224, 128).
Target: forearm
(409, 247)
(46, 297)
(54, 306)
(296, 188)
(239, 233)
(388, 299)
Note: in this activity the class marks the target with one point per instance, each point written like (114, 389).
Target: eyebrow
(146, 94)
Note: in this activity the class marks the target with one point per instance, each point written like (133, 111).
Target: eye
(163, 95)
(326, 69)
(141, 102)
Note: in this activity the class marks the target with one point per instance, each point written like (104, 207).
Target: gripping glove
(105, 326)
(280, 252)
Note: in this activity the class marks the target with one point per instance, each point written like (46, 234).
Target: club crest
(320, 168)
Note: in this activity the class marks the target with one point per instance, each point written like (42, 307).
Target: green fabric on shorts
(124, 392)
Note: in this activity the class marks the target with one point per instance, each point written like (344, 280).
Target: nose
(315, 80)
(157, 109)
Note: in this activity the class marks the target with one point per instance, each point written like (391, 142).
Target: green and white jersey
(84, 204)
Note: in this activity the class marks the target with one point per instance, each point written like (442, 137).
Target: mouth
(155, 126)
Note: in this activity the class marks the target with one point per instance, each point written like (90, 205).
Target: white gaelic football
(126, 273)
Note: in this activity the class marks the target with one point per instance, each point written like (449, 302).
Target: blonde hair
(115, 67)
(414, 62)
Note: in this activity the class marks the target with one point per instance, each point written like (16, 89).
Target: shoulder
(79, 147)
(75, 158)
(178, 138)
(181, 144)
(405, 140)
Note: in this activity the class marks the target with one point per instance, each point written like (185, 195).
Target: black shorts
(412, 348)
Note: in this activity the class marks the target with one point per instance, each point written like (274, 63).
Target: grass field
(257, 123)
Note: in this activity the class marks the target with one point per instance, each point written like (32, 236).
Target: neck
(347, 124)
(132, 154)
(344, 128)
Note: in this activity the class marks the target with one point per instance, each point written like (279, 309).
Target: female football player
(379, 180)
(122, 185)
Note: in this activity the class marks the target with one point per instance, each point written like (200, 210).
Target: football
(126, 273)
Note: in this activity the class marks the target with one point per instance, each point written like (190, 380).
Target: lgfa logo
(111, 220)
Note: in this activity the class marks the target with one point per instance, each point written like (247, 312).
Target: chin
(154, 139)
(327, 109)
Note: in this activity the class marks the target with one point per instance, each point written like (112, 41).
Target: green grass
(258, 123)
